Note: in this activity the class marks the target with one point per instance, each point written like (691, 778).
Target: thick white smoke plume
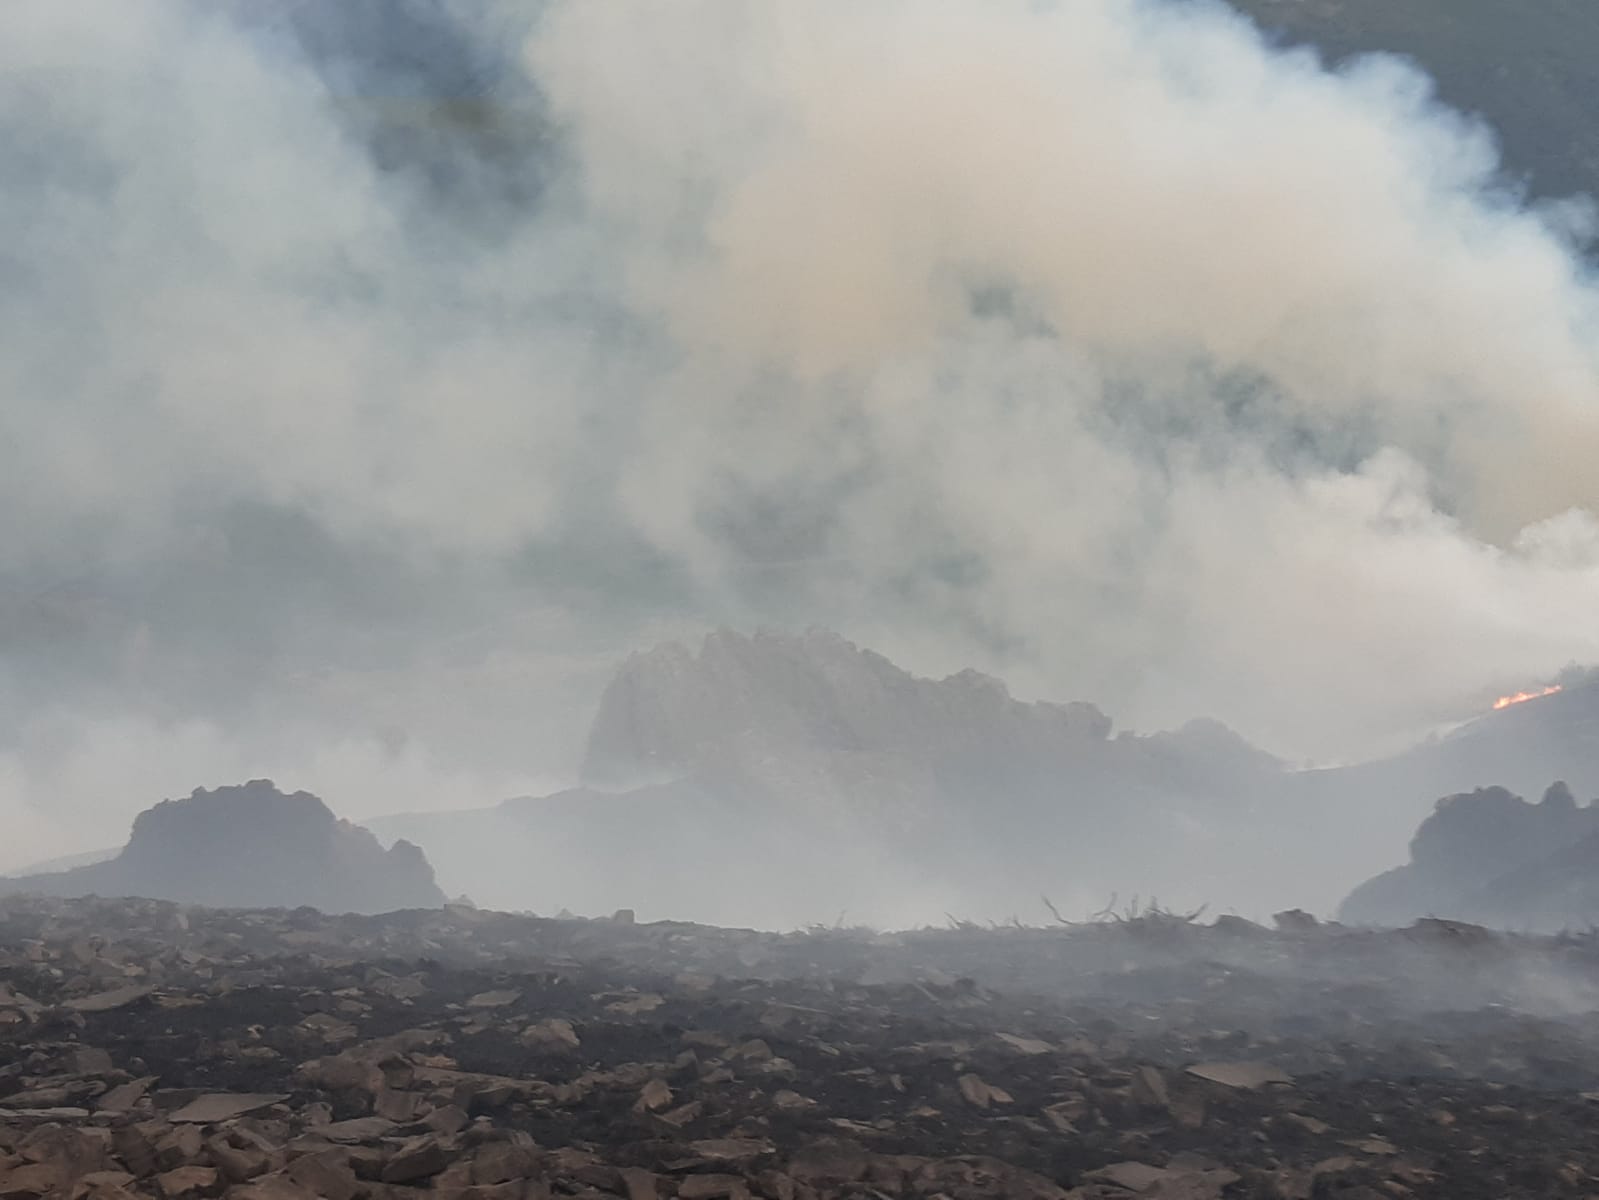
(1093, 342)
(1278, 394)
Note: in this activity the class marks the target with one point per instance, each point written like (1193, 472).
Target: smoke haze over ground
(374, 384)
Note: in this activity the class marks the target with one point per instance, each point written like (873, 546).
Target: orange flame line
(1523, 697)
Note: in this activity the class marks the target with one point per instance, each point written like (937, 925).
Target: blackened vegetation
(151, 1049)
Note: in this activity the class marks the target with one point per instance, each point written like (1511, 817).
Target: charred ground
(458, 1052)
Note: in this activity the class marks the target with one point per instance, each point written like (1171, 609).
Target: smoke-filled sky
(377, 373)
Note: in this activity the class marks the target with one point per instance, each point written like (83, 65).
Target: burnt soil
(660, 1060)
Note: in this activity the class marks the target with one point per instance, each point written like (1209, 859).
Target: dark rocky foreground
(152, 1050)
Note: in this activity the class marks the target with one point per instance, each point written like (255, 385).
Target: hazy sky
(376, 375)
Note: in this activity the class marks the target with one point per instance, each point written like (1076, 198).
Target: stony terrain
(153, 1050)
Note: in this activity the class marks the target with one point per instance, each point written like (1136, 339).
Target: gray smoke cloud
(359, 413)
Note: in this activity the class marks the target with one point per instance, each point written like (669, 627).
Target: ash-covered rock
(252, 846)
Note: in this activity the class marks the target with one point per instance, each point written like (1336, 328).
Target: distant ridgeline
(780, 779)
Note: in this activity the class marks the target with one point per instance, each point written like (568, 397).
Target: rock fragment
(1246, 1075)
(224, 1106)
(108, 1001)
(417, 1159)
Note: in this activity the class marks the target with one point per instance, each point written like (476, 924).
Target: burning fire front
(1523, 697)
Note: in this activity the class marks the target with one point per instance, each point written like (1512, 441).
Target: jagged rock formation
(780, 779)
(671, 710)
(252, 846)
(830, 730)
(1358, 819)
(1489, 856)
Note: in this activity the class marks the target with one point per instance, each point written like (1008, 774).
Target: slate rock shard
(108, 1000)
(252, 846)
(223, 1106)
(1248, 1075)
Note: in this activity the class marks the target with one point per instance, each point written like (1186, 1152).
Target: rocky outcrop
(724, 780)
(1491, 857)
(782, 779)
(671, 711)
(253, 846)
